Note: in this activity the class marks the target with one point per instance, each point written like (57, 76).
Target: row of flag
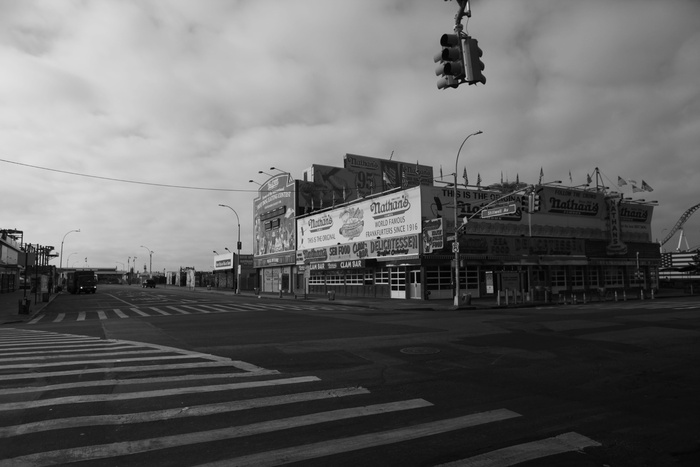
(635, 186)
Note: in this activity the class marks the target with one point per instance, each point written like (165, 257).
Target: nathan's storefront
(577, 242)
(367, 248)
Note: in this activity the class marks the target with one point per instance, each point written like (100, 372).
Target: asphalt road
(606, 384)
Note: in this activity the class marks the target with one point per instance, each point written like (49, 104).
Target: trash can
(24, 305)
(467, 299)
(256, 291)
(331, 295)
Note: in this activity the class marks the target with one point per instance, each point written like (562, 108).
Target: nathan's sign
(388, 216)
(571, 202)
(361, 250)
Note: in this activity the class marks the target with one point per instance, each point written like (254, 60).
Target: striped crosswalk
(175, 310)
(69, 398)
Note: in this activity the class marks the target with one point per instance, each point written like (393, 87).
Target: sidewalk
(9, 306)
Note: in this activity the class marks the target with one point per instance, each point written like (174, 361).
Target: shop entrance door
(397, 281)
(416, 286)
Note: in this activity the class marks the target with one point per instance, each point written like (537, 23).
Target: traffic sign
(498, 211)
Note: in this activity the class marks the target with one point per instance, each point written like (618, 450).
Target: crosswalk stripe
(151, 394)
(94, 362)
(353, 443)
(179, 310)
(101, 314)
(31, 353)
(517, 454)
(120, 313)
(36, 319)
(104, 353)
(133, 369)
(139, 312)
(83, 453)
(81, 316)
(59, 317)
(179, 412)
(158, 310)
(196, 309)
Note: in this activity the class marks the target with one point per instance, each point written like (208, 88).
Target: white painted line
(197, 309)
(66, 456)
(24, 405)
(59, 317)
(179, 310)
(32, 353)
(95, 362)
(139, 312)
(81, 316)
(180, 412)
(133, 369)
(120, 313)
(165, 313)
(35, 320)
(520, 453)
(353, 443)
(101, 314)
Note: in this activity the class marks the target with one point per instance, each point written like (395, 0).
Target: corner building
(399, 243)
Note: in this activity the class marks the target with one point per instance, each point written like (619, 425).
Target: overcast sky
(204, 94)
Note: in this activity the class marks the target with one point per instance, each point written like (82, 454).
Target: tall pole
(150, 261)
(455, 246)
(60, 266)
(238, 249)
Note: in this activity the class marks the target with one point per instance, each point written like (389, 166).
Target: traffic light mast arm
(464, 10)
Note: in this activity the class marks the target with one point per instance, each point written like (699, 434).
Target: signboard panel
(273, 215)
(390, 216)
(498, 211)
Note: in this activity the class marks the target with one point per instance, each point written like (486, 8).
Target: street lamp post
(150, 261)
(238, 249)
(60, 266)
(455, 245)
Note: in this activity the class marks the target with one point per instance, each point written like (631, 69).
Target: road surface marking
(132, 369)
(158, 310)
(120, 313)
(36, 319)
(31, 353)
(59, 317)
(353, 443)
(84, 453)
(179, 310)
(101, 314)
(81, 316)
(139, 312)
(180, 412)
(513, 455)
(24, 405)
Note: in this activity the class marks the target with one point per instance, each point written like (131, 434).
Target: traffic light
(534, 203)
(451, 62)
(474, 65)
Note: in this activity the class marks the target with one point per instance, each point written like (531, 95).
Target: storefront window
(558, 277)
(381, 276)
(438, 278)
(335, 279)
(593, 277)
(577, 277)
(317, 279)
(614, 276)
(354, 278)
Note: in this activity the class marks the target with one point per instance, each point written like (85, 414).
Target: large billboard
(563, 212)
(383, 174)
(384, 226)
(274, 212)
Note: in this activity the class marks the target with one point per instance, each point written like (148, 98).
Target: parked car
(149, 283)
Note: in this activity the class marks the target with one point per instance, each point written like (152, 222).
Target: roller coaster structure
(679, 226)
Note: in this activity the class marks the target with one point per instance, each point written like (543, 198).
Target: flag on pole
(541, 176)
(478, 180)
(589, 180)
(621, 181)
(636, 189)
(464, 175)
(570, 179)
(440, 171)
(646, 187)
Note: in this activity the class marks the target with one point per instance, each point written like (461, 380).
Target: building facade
(400, 242)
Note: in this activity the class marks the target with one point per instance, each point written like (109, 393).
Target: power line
(121, 180)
